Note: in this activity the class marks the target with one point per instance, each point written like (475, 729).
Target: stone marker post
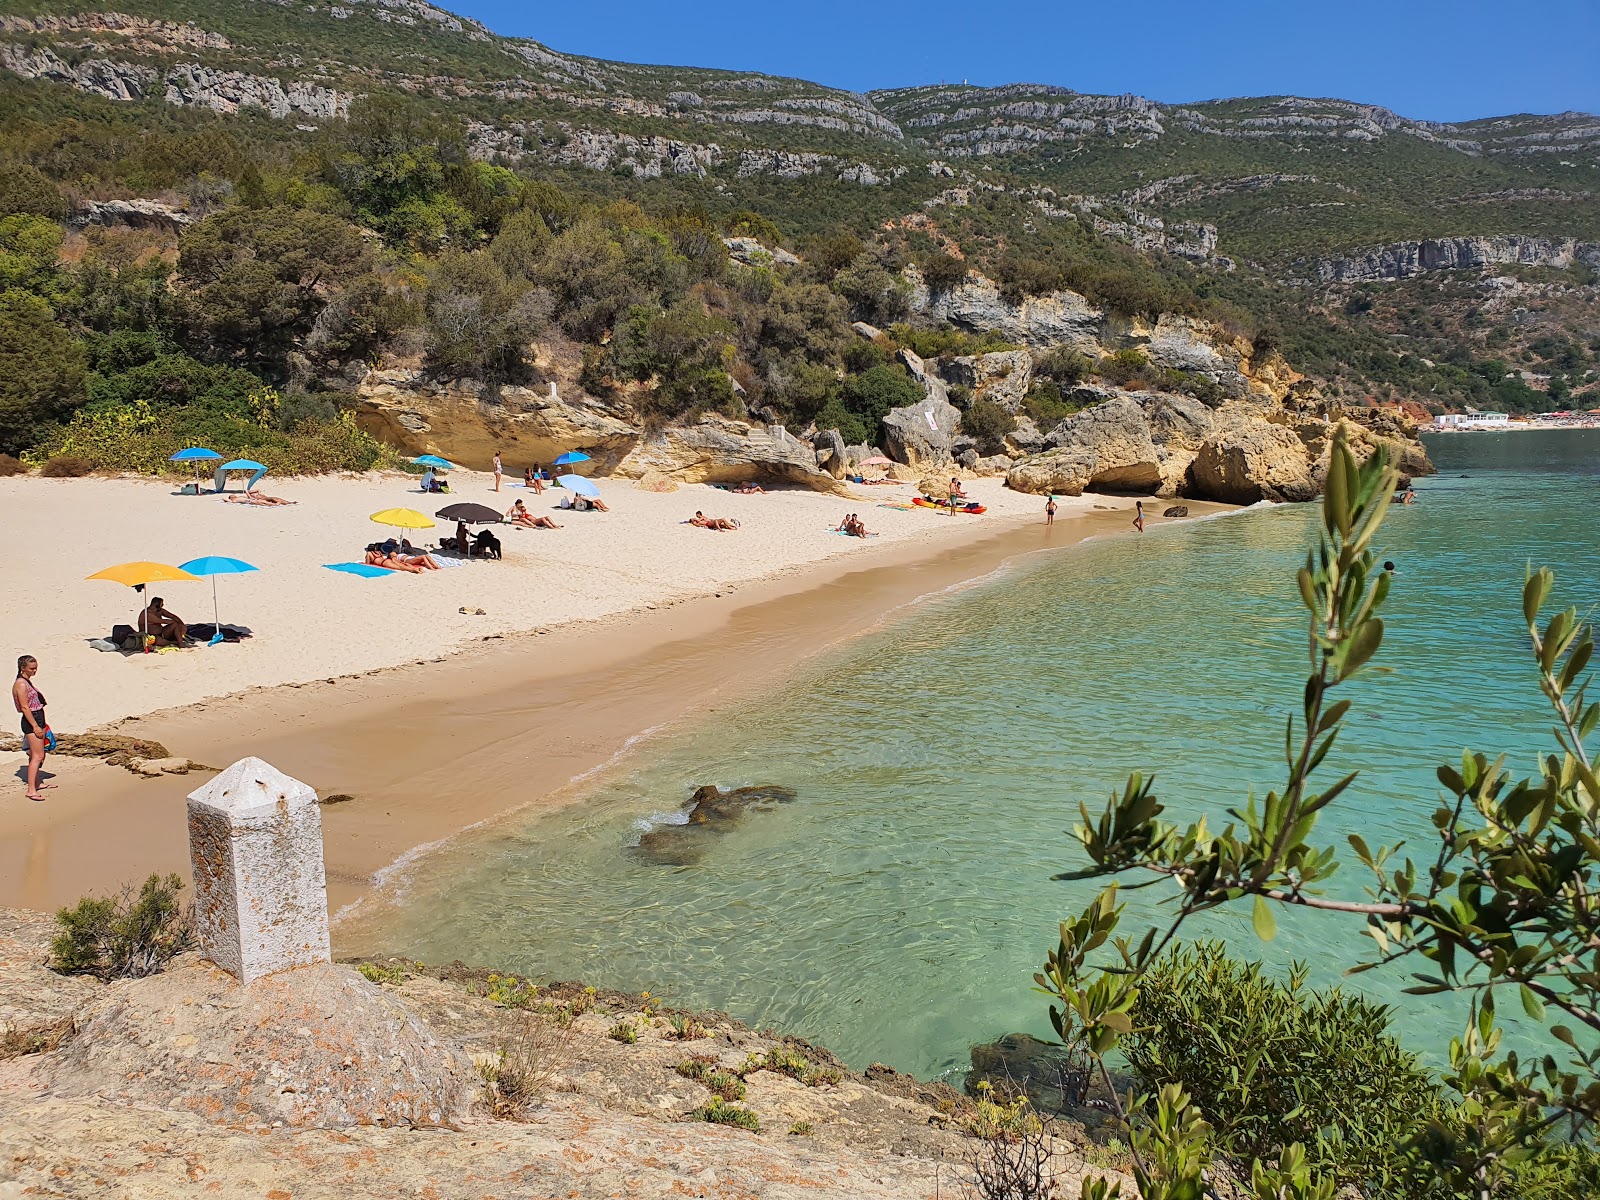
(261, 898)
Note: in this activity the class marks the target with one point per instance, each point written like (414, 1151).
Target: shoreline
(436, 747)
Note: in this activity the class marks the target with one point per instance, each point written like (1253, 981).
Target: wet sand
(433, 748)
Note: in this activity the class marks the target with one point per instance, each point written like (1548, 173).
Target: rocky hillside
(723, 272)
(1269, 179)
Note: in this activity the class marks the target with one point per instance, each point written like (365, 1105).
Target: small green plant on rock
(800, 1129)
(510, 992)
(125, 936)
(378, 973)
(704, 1070)
(624, 1031)
(518, 1074)
(719, 1112)
(685, 1028)
(997, 1121)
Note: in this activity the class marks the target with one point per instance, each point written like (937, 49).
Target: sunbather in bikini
(391, 562)
(705, 522)
(519, 515)
(261, 499)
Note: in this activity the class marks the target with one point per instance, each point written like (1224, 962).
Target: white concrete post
(261, 896)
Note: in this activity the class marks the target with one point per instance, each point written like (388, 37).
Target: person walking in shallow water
(1050, 511)
(35, 729)
(1138, 515)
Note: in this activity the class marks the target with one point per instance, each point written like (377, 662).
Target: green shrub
(1316, 1067)
(126, 936)
(1124, 367)
(625, 1032)
(1045, 405)
(1063, 365)
(988, 423)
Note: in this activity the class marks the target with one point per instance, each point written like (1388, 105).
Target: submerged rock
(1019, 1064)
(710, 811)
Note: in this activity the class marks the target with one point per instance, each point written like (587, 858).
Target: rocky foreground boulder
(723, 450)
(611, 1098)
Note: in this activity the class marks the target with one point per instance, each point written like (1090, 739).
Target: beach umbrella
(137, 574)
(472, 514)
(570, 457)
(877, 460)
(434, 461)
(403, 518)
(196, 455)
(365, 570)
(240, 464)
(214, 565)
(580, 485)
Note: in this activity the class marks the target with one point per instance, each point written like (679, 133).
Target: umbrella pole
(215, 620)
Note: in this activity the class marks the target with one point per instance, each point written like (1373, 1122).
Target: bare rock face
(421, 415)
(317, 1047)
(1107, 447)
(1002, 376)
(1247, 460)
(1060, 318)
(831, 453)
(1403, 260)
(36, 1004)
(722, 450)
(921, 434)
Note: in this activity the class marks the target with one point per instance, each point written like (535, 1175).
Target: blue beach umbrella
(365, 570)
(240, 464)
(214, 565)
(196, 455)
(570, 457)
(433, 460)
(580, 485)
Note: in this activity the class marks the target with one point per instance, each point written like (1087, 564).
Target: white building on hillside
(1472, 419)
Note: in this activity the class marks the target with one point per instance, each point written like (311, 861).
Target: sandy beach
(595, 634)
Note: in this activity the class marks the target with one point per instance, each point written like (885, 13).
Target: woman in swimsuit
(519, 515)
(35, 729)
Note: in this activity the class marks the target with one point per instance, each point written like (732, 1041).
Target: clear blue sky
(1435, 59)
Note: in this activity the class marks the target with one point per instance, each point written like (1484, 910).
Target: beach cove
(435, 720)
(897, 908)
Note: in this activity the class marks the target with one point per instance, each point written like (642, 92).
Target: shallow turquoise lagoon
(897, 910)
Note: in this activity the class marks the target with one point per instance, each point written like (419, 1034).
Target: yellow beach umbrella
(403, 518)
(136, 574)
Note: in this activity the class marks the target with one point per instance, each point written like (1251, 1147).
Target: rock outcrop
(460, 420)
(723, 450)
(1166, 445)
(318, 1046)
(922, 434)
(1402, 260)
(1057, 319)
(1002, 376)
(1247, 460)
(710, 812)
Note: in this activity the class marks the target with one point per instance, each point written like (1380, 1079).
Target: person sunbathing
(856, 528)
(260, 498)
(390, 562)
(584, 503)
(519, 515)
(705, 522)
(750, 488)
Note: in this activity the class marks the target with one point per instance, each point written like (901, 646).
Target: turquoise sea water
(897, 910)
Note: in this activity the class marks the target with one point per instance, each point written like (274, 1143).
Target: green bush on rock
(126, 936)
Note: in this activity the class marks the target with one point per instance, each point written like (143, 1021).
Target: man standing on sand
(498, 471)
(1138, 515)
(1050, 511)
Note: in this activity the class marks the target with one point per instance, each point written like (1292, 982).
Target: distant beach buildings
(1472, 418)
